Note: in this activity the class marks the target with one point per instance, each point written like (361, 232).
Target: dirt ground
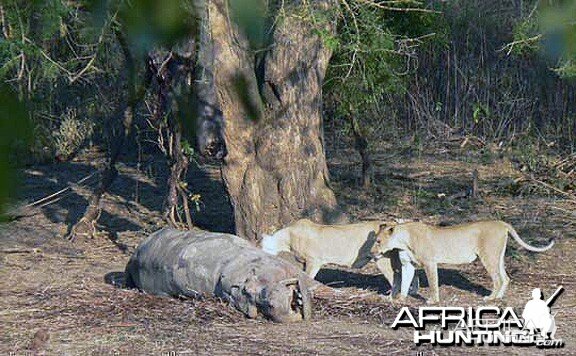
(57, 297)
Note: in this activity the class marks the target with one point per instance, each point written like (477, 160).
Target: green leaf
(15, 128)
(250, 16)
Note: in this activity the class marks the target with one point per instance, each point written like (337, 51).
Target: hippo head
(285, 301)
(244, 301)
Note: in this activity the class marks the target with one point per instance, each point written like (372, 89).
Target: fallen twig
(20, 250)
(123, 325)
(571, 197)
(39, 201)
(20, 311)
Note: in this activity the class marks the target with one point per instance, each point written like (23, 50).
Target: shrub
(71, 134)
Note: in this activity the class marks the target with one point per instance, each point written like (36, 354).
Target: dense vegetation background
(496, 72)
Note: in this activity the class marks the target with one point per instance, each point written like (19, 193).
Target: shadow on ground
(336, 278)
(138, 196)
(454, 278)
(116, 279)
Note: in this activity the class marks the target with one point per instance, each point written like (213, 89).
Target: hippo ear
(251, 285)
(290, 282)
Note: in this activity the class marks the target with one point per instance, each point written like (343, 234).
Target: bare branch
(510, 46)
(5, 26)
(381, 5)
(347, 6)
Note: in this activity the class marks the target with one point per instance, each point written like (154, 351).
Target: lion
(427, 246)
(344, 245)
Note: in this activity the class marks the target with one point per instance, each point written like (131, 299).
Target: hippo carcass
(191, 263)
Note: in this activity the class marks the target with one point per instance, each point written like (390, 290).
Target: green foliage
(151, 24)
(525, 35)
(373, 58)
(365, 61)
(329, 40)
(64, 56)
(250, 16)
(551, 29)
(451, 73)
(71, 134)
(55, 60)
(28, 34)
(14, 131)
(187, 148)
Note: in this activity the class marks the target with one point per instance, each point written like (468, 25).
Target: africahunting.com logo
(489, 325)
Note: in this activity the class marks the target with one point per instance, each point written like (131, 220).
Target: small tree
(374, 52)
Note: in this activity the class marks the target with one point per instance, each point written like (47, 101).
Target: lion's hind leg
(491, 264)
(491, 253)
(431, 270)
(504, 279)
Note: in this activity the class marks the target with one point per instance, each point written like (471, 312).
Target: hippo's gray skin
(191, 263)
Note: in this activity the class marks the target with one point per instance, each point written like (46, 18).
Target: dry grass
(54, 297)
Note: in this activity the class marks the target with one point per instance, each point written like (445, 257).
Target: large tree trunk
(275, 170)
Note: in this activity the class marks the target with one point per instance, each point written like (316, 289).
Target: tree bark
(275, 169)
(361, 145)
(178, 164)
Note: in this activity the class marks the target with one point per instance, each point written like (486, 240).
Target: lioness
(429, 245)
(345, 245)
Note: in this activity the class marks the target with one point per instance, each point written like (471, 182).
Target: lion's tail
(524, 244)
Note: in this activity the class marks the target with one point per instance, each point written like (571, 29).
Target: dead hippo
(191, 263)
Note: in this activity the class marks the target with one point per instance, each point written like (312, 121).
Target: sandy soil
(57, 297)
